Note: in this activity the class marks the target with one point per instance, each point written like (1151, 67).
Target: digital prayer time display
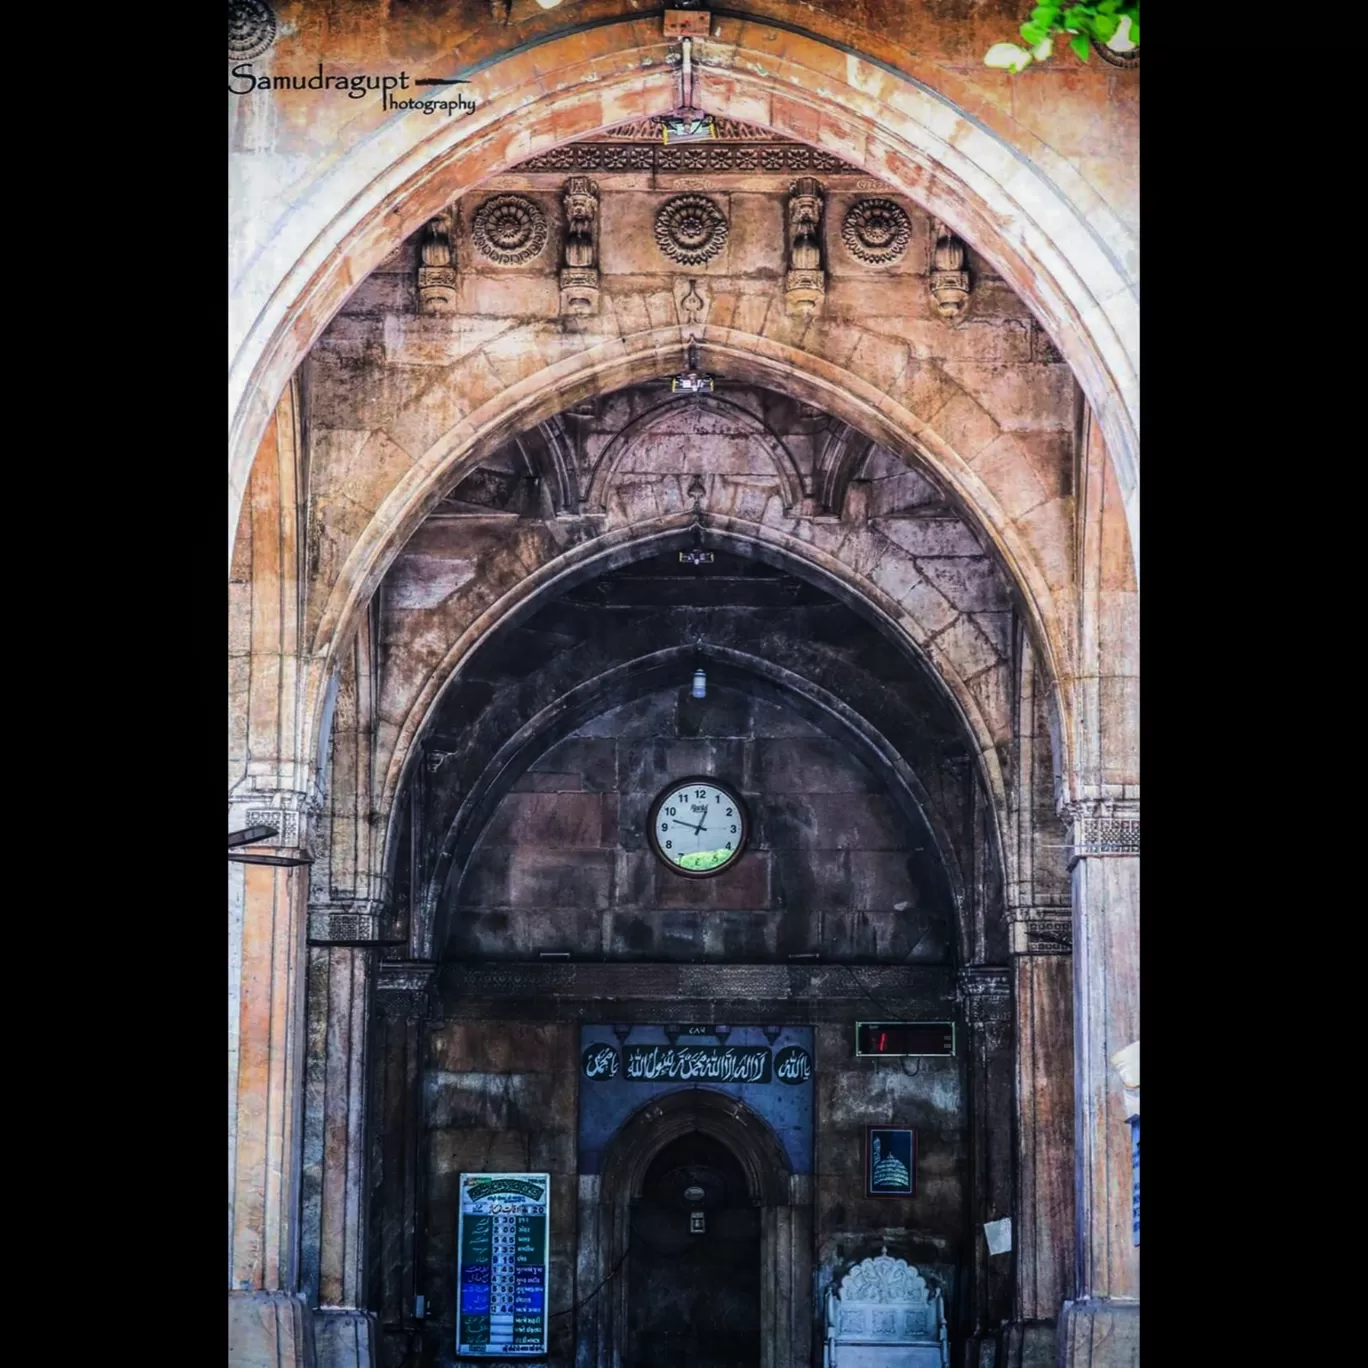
(502, 1263)
(904, 1038)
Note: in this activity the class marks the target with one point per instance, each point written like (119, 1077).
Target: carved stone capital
(986, 994)
(289, 811)
(1041, 930)
(351, 921)
(1102, 828)
(403, 987)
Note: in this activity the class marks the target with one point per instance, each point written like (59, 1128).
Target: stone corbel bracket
(949, 282)
(805, 283)
(579, 277)
(437, 274)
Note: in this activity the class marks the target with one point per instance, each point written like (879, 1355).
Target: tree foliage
(1115, 23)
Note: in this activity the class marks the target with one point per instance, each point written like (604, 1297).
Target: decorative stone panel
(690, 229)
(876, 231)
(509, 229)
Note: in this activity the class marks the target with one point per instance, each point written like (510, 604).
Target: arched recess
(747, 539)
(784, 1198)
(730, 354)
(1054, 248)
(637, 678)
(640, 429)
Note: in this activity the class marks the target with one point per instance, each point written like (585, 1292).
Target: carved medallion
(690, 229)
(251, 28)
(509, 229)
(876, 231)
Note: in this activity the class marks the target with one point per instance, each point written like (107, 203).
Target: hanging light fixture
(700, 683)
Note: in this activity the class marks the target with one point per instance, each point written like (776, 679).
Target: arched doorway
(693, 1262)
(768, 1309)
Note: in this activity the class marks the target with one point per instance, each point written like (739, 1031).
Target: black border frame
(743, 841)
(868, 1168)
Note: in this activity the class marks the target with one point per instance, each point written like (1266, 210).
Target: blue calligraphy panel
(772, 1077)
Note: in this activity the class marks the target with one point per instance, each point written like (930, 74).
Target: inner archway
(641, 1160)
(693, 1275)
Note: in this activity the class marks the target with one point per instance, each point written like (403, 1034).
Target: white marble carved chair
(885, 1317)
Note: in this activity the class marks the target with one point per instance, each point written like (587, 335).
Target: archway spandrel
(949, 200)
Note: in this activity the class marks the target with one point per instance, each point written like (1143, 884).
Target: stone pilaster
(272, 784)
(334, 1205)
(1043, 1233)
(1100, 1327)
(268, 1322)
(403, 990)
(986, 998)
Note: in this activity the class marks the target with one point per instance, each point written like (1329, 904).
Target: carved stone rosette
(690, 229)
(950, 284)
(805, 284)
(876, 231)
(579, 277)
(437, 274)
(509, 229)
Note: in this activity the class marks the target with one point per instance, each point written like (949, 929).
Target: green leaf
(1109, 6)
(1034, 33)
(1045, 15)
(1079, 43)
(1077, 17)
(1106, 25)
(1135, 30)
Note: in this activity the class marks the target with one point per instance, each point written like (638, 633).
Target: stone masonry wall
(833, 867)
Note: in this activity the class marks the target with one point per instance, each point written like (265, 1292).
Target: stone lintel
(739, 994)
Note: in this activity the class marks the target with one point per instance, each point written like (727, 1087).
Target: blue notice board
(501, 1264)
(773, 1077)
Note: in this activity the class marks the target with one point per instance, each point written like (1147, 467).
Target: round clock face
(698, 827)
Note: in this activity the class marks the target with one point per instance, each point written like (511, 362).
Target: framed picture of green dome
(890, 1161)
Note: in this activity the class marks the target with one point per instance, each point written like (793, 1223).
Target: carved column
(579, 277)
(437, 274)
(986, 996)
(805, 283)
(1100, 1328)
(271, 785)
(396, 1177)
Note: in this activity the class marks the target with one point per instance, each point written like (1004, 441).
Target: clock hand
(700, 826)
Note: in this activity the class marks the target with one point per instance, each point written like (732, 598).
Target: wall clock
(698, 827)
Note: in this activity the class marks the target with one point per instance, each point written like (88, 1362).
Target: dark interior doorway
(694, 1298)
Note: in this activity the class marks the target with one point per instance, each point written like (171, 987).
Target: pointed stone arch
(783, 1197)
(785, 467)
(1053, 245)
